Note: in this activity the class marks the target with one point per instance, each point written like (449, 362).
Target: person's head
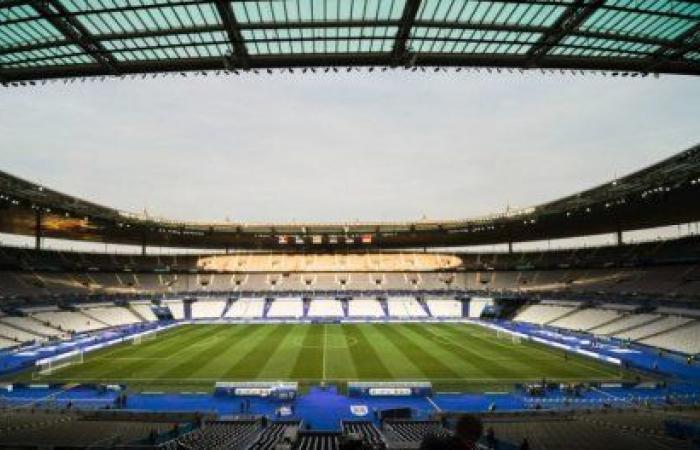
(469, 428)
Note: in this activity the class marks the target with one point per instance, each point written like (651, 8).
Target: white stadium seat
(365, 307)
(325, 307)
(286, 308)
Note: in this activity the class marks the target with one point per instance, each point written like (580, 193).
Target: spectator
(467, 432)
(490, 438)
(525, 445)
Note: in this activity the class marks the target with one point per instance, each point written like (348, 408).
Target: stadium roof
(665, 193)
(45, 39)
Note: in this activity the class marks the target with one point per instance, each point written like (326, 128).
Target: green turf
(449, 355)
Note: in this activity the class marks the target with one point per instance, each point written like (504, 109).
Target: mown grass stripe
(365, 358)
(309, 361)
(427, 363)
(257, 355)
(190, 364)
(462, 352)
(112, 368)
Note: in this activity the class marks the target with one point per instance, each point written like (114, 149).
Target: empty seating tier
(405, 307)
(286, 308)
(112, 315)
(586, 319)
(208, 309)
(656, 327)
(365, 307)
(444, 307)
(685, 339)
(246, 308)
(542, 314)
(325, 307)
(625, 323)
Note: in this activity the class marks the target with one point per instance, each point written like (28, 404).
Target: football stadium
(126, 330)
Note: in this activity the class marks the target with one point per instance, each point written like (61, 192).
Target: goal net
(138, 339)
(49, 366)
(515, 339)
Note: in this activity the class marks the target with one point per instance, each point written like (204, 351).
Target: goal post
(49, 365)
(514, 338)
(140, 338)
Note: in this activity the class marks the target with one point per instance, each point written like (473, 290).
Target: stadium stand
(559, 432)
(7, 343)
(246, 308)
(369, 434)
(70, 321)
(624, 323)
(405, 307)
(325, 307)
(208, 309)
(444, 307)
(542, 314)
(684, 339)
(112, 315)
(477, 305)
(365, 307)
(410, 433)
(662, 325)
(318, 441)
(586, 319)
(79, 433)
(17, 335)
(236, 435)
(275, 433)
(177, 308)
(286, 308)
(143, 310)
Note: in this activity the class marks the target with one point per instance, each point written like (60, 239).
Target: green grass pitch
(450, 355)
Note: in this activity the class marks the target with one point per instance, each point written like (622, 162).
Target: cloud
(382, 146)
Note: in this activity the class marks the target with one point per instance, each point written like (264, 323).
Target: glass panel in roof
(281, 11)
(204, 50)
(173, 40)
(323, 40)
(593, 52)
(582, 42)
(113, 18)
(638, 23)
(678, 7)
(453, 40)
(491, 12)
(51, 62)
(321, 45)
(21, 26)
(41, 54)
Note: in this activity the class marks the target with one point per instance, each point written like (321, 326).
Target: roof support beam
(73, 30)
(408, 18)
(568, 22)
(228, 18)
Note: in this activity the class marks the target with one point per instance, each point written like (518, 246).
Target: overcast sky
(341, 147)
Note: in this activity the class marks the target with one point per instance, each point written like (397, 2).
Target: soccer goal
(515, 339)
(50, 365)
(140, 338)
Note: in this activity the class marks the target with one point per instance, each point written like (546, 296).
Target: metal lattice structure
(44, 39)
